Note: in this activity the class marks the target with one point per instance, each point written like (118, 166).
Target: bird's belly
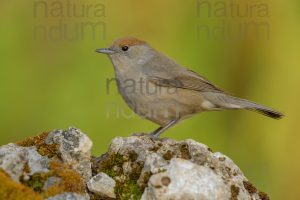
(163, 104)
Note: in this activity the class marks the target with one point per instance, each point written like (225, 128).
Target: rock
(185, 180)
(102, 185)
(11, 190)
(36, 162)
(154, 163)
(68, 196)
(50, 163)
(51, 181)
(74, 148)
(14, 159)
(59, 163)
(169, 169)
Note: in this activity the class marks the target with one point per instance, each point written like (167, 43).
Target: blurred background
(51, 77)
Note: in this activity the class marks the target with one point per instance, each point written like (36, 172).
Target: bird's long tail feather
(223, 101)
(252, 106)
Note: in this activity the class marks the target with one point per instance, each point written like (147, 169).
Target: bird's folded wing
(188, 80)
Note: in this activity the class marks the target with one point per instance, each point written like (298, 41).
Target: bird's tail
(230, 102)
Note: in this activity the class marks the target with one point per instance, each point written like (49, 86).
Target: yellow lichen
(10, 190)
(39, 142)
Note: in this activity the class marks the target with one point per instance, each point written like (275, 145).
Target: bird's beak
(107, 51)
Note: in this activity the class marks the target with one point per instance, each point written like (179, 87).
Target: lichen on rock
(58, 165)
(32, 163)
(144, 168)
(74, 149)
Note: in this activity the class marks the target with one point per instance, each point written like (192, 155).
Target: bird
(159, 89)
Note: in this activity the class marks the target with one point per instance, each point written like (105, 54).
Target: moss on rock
(71, 181)
(33, 185)
(39, 142)
(111, 165)
(130, 162)
(36, 181)
(126, 185)
(10, 190)
(128, 190)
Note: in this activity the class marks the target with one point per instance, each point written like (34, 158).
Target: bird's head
(128, 51)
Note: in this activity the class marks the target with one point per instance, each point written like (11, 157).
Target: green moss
(32, 189)
(128, 190)
(39, 142)
(111, 173)
(126, 187)
(117, 159)
(112, 165)
(71, 181)
(10, 190)
(36, 181)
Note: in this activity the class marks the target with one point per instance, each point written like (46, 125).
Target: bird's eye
(125, 48)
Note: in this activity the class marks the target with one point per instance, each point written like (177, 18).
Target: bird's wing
(187, 80)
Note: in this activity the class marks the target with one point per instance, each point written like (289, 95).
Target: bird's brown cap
(128, 41)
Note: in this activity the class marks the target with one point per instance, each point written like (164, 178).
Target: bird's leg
(160, 130)
(156, 130)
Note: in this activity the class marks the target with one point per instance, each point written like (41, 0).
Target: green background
(49, 83)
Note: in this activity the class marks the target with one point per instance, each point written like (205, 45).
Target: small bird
(157, 88)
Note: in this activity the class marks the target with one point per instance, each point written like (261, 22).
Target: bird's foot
(153, 136)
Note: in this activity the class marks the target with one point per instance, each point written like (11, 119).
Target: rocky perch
(58, 165)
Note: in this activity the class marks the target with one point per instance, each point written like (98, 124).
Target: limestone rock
(14, 158)
(50, 163)
(36, 162)
(185, 180)
(135, 167)
(51, 181)
(75, 149)
(102, 185)
(167, 169)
